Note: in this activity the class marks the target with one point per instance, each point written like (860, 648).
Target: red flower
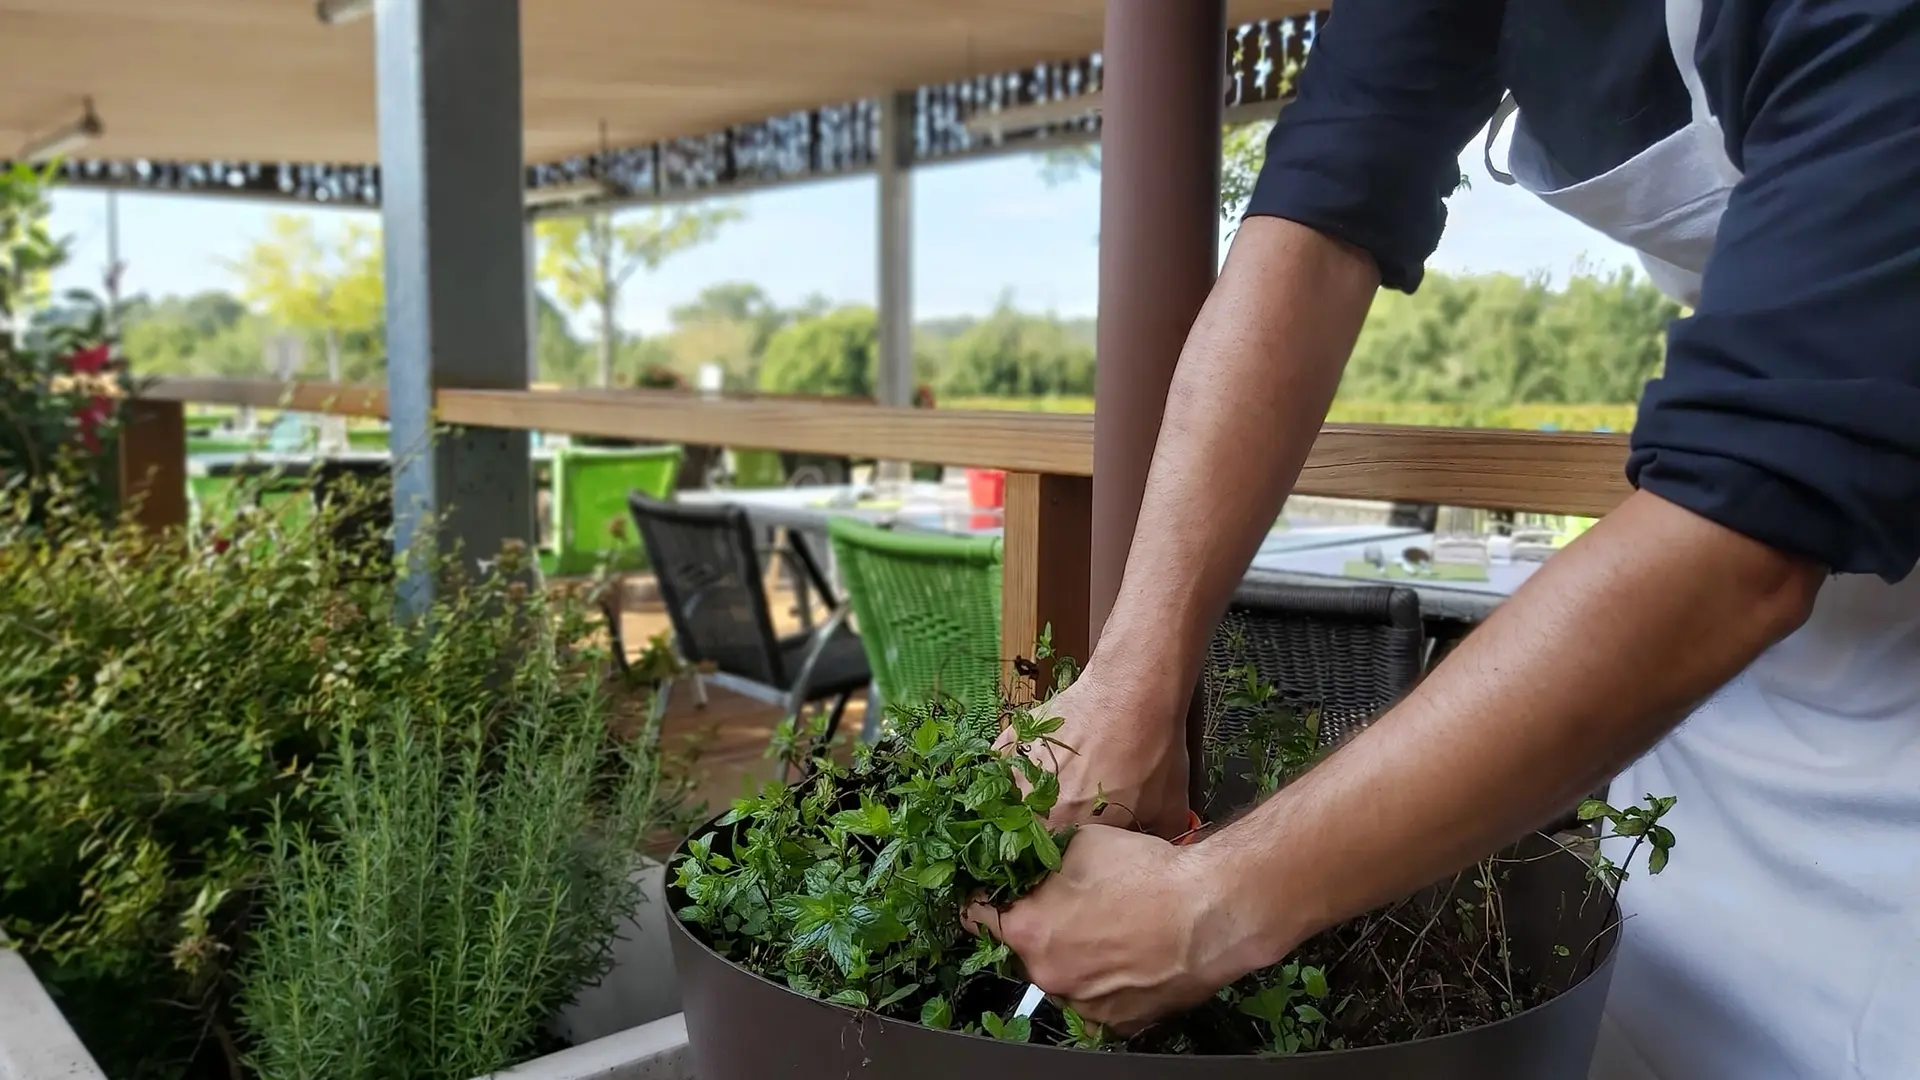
(92, 360)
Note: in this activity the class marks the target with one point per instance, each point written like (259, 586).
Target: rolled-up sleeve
(1789, 409)
(1370, 145)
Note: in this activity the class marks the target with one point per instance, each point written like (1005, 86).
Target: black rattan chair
(712, 583)
(1348, 652)
(364, 525)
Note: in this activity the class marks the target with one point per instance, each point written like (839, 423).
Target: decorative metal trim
(322, 184)
(827, 142)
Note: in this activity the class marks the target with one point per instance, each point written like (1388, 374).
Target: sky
(981, 229)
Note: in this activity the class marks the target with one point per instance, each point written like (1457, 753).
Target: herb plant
(849, 886)
(464, 879)
(167, 708)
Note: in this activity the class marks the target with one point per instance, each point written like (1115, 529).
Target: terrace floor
(728, 737)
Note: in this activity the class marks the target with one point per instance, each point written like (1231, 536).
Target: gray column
(1162, 97)
(456, 273)
(894, 384)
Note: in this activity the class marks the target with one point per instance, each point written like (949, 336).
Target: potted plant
(825, 919)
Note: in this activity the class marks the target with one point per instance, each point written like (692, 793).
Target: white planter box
(656, 1051)
(35, 1041)
(628, 1027)
(641, 987)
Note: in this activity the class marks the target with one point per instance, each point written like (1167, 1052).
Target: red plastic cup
(987, 488)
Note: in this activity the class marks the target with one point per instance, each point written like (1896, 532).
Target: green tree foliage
(833, 355)
(326, 287)
(59, 384)
(209, 333)
(1496, 339)
(1011, 354)
(562, 359)
(728, 324)
(586, 260)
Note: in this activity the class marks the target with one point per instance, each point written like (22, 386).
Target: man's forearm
(1253, 386)
(1609, 646)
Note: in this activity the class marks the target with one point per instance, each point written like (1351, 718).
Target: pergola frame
(1075, 485)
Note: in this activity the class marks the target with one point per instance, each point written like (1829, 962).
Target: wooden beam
(1532, 471)
(1044, 580)
(1017, 442)
(1529, 471)
(153, 463)
(333, 399)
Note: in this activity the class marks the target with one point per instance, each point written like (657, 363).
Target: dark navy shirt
(1789, 409)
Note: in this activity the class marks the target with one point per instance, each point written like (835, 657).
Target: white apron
(1783, 942)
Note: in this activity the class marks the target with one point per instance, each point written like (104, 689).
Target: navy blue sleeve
(1790, 406)
(1370, 145)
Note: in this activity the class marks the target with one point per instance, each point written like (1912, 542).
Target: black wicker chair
(1348, 652)
(365, 488)
(712, 583)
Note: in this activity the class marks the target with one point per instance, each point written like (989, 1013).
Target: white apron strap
(1507, 108)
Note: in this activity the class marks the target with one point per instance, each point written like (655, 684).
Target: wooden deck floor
(728, 737)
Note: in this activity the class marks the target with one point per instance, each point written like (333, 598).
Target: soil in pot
(823, 919)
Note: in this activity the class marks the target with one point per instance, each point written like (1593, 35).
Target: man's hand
(1118, 746)
(1130, 929)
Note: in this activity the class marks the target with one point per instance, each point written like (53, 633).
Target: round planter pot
(741, 1026)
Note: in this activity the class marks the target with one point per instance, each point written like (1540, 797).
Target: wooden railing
(1049, 458)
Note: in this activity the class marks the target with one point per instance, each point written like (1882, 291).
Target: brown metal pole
(1162, 100)
(1162, 104)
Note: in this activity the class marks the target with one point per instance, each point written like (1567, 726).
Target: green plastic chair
(757, 469)
(928, 610)
(219, 500)
(590, 488)
(220, 444)
(366, 438)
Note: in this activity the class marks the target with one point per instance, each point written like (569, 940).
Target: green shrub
(830, 356)
(166, 709)
(60, 388)
(155, 701)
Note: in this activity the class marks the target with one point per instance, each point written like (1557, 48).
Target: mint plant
(849, 886)
(1642, 823)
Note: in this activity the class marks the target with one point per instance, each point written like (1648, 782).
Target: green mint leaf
(1043, 844)
(936, 875)
(1314, 981)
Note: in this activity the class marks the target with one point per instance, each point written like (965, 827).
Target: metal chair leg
(833, 721)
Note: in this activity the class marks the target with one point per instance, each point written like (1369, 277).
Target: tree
(1012, 354)
(559, 357)
(331, 288)
(29, 252)
(728, 324)
(210, 333)
(833, 355)
(587, 259)
(1497, 339)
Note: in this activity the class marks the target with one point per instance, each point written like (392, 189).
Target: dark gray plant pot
(744, 1027)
